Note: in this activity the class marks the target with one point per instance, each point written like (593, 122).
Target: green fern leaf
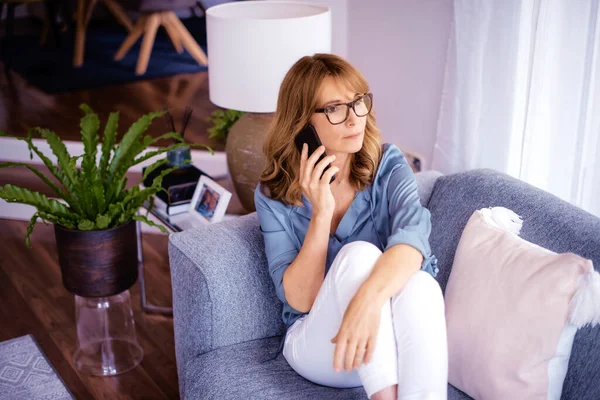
(85, 197)
(150, 205)
(62, 178)
(136, 149)
(30, 227)
(136, 198)
(89, 134)
(98, 191)
(197, 145)
(60, 151)
(141, 218)
(123, 151)
(102, 221)
(86, 225)
(86, 109)
(51, 167)
(108, 141)
(149, 154)
(67, 164)
(169, 135)
(59, 192)
(149, 169)
(131, 194)
(114, 210)
(15, 194)
(53, 219)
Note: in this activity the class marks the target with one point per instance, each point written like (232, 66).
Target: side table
(171, 226)
(233, 210)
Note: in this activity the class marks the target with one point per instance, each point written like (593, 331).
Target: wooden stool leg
(150, 33)
(119, 13)
(131, 38)
(90, 10)
(80, 34)
(188, 40)
(173, 33)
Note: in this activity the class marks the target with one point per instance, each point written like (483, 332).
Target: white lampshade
(253, 44)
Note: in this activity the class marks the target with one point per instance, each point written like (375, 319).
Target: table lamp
(252, 46)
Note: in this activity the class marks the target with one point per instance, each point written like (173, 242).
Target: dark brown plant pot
(98, 263)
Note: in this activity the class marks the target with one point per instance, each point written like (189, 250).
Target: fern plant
(221, 121)
(94, 196)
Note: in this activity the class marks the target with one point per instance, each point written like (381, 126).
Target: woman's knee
(356, 258)
(424, 290)
(359, 249)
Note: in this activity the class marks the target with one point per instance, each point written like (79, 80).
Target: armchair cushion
(240, 371)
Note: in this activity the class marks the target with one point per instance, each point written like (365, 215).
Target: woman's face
(346, 137)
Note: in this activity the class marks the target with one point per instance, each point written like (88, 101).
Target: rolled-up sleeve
(409, 221)
(279, 247)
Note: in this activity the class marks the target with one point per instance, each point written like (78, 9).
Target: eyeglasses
(338, 113)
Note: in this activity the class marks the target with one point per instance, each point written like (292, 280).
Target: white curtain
(522, 95)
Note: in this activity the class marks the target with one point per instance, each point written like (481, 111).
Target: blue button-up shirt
(386, 213)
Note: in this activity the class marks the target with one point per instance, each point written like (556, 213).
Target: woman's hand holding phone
(315, 182)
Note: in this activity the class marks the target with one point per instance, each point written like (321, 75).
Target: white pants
(411, 348)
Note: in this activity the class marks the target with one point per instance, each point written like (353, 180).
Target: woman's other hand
(316, 187)
(355, 341)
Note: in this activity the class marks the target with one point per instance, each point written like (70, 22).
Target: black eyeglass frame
(348, 106)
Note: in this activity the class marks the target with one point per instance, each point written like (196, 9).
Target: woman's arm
(391, 272)
(304, 277)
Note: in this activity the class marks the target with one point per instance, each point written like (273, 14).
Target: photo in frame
(209, 202)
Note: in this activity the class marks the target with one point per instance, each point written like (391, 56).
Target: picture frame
(209, 202)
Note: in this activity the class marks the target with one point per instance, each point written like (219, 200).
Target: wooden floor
(34, 301)
(24, 106)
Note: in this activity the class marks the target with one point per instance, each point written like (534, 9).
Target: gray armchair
(227, 318)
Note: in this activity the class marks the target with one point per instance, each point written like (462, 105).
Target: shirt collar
(348, 221)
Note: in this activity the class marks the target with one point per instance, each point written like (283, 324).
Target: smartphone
(309, 135)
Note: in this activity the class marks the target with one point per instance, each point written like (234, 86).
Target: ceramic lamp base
(245, 157)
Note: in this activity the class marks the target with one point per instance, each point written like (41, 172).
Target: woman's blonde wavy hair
(296, 104)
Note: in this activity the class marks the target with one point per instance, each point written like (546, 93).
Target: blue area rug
(25, 373)
(51, 68)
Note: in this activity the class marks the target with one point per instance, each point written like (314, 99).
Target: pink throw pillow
(511, 312)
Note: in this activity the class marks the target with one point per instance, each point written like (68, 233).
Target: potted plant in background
(222, 121)
(94, 221)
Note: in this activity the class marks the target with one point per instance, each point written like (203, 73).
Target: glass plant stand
(107, 343)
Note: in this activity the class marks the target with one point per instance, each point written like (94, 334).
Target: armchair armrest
(222, 293)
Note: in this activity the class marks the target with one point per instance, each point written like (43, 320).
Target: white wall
(400, 47)
(339, 24)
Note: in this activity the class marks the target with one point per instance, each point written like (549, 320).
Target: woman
(350, 259)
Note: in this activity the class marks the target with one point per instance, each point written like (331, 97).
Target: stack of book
(180, 186)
